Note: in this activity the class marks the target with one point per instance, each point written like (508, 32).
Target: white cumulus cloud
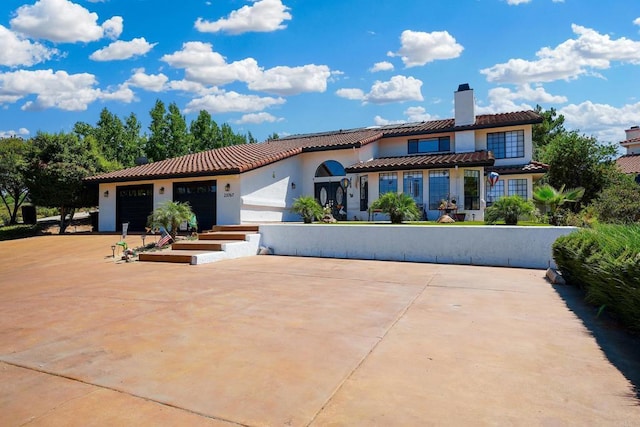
(588, 52)
(225, 102)
(150, 82)
(353, 94)
(292, 80)
(203, 65)
(414, 114)
(524, 97)
(604, 121)
(16, 51)
(113, 27)
(121, 49)
(420, 48)
(207, 67)
(257, 118)
(62, 21)
(262, 16)
(382, 66)
(61, 90)
(12, 133)
(398, 89)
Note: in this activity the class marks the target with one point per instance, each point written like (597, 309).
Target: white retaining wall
(508, 246)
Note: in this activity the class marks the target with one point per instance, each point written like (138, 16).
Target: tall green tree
(579, 161)
(109, 132)
(156, 147)
(57, 165)
(13, 189)
(205, 132)
(179, 140)
(134, 142)
(543, 133)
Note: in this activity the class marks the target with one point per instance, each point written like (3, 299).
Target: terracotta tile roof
(239, 158)
(448, 125)
(631, 141)
(432, 161)
(242, 158)
(533, 167)
(629, 163)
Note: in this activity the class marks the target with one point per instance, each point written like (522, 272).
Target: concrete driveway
(285, 341)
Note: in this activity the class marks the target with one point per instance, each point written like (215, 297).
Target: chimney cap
(463, 86)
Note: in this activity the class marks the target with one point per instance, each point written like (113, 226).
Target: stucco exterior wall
(267, 192)
(465, 142)
(507, 246)
(481, 144)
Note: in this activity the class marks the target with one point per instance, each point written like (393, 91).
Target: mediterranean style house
(630, 162)
(440, 163)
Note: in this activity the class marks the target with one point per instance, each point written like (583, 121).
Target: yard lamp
(113, 251)
(143, 237)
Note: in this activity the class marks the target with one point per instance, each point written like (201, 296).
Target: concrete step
(241, 227)
(174, 256)
(224, 235)
(200, 245)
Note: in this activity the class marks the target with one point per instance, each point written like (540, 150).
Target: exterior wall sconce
(293, 185)
(227, 187)
(106, 193)
(161, 191)
(345, 182)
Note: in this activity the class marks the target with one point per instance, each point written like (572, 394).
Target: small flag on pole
(164, 239)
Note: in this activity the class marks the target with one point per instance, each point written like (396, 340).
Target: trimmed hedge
(605, 262)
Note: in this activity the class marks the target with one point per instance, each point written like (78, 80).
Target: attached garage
(134, 204)
(201, 196)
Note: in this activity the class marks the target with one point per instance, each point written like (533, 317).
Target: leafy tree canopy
(13, 189)
(579, 161)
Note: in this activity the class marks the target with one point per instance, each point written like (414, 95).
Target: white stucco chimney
(633, 132)
(464, 105)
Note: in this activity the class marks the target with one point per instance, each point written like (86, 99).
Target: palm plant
(399, 207)
(509, 208)
(170, 215)
(308, 208)
(552, 199)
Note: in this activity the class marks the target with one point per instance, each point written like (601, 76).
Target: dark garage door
(133, 205)
(201, 195)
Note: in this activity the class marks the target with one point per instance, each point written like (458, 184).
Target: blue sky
(300, 66)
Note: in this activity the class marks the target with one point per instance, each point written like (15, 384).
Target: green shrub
(510, 209)
(399, 207)
(12, 232)
(619, 203)
(308, 208)
(605, 262)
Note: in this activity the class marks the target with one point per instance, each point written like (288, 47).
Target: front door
(332, 195)
(364, 193)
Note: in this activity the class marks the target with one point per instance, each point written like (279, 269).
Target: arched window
(330, 168)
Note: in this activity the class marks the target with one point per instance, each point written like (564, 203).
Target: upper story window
(505, 145)
(429, 145)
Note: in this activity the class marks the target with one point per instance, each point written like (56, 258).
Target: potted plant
(308, 208)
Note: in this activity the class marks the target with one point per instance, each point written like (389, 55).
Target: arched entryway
(330, 188)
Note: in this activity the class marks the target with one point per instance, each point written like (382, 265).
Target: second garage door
(201, 195)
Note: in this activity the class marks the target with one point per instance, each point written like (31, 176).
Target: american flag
(165, 239)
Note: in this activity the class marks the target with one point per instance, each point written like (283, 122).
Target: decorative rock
(445, 219)
(265, 251)
(554, 277)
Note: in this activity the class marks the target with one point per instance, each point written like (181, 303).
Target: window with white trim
(506, 145)
(438, 188)
(412, 185)
(388, 182)
(518, 187)
(429, 145)
(495, 192)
